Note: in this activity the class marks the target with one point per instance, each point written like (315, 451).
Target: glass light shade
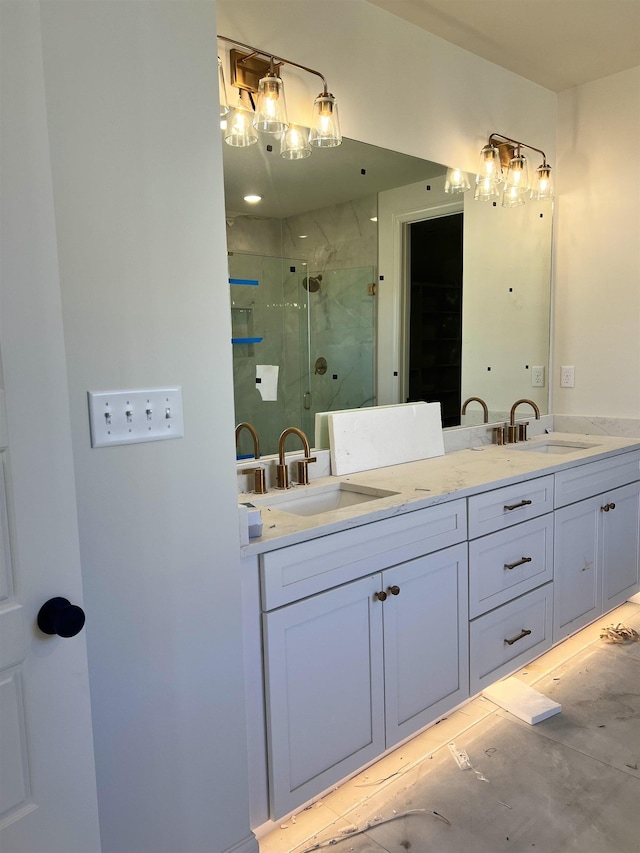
(224, 103)
(489, 168)
(456, 181)
(271, 110)
(240, 132)
(517, 174)
(486, 189)
(512, 197)
(294, 144)
(542, 185)
(325, 130)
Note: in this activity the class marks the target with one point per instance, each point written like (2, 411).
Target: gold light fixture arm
(272, 58)
(493, 140)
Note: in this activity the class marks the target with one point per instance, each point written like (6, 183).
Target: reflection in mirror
(304, 265)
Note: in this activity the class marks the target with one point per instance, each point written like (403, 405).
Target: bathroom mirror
(320, 281)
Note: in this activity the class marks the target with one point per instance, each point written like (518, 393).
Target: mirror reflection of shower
(309, 334)
(312, 283)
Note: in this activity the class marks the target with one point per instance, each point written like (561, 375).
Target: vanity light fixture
(258, 73)
(500, 152)
(271, 111)
(294, 144)
(239, 130)
(456, 181)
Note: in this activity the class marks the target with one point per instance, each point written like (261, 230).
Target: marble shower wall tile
(337, 237)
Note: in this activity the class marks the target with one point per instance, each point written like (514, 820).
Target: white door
(47, 775)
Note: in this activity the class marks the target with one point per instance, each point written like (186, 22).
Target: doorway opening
(433, 321)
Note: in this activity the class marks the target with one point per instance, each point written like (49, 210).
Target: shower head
(311, 283)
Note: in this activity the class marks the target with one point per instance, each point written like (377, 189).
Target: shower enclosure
(303, 342)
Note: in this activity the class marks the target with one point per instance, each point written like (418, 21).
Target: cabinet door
(577, 587)
(425, 640)
(324, 690)
(619, 551)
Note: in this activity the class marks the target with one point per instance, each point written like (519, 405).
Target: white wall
(136, 166)
(597, 269)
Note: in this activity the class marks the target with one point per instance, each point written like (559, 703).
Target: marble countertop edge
(427, 482)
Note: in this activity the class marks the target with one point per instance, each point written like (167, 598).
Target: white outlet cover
(537, 376)
(130, 417)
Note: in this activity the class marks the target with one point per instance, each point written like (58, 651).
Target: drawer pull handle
(509, 566)
(380, 596)
(394, 590)
(607, 507)
(524, 633)
(509, 507)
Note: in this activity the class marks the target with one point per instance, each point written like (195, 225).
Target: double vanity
(376, 603)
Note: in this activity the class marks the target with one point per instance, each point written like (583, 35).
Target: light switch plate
(129, 417)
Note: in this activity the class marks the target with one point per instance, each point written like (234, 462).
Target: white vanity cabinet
(510, 574)
(358, 638)
(597, 544)
(353, 670)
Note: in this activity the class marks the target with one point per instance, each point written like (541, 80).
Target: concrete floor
(569, 783)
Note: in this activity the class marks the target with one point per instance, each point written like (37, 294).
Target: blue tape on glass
(251, 281)
(246, 340)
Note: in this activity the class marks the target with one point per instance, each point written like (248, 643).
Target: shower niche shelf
(242, 333)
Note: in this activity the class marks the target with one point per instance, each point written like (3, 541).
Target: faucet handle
(499, 434)
(259, 483)
(303, 469)
(282, 476)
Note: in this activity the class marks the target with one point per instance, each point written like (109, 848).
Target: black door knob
(59, 616)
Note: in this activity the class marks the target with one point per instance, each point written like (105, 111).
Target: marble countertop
(425, 483)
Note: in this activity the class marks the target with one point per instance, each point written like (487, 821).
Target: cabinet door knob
(612, 506)
(380, 596)
(394, 590)
(607, 507)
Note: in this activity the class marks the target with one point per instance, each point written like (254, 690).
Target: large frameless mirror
(357, 281)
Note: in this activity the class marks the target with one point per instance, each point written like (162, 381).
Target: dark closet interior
(435, 324)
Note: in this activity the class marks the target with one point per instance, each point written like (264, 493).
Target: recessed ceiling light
(374, 218)
(303, 236)
(253, 199)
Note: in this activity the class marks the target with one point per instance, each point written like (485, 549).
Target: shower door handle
(306, 400)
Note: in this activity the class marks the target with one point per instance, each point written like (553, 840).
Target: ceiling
(330, 176)
(556, 43)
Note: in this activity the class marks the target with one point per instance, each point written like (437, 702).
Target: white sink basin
(555, 446)
(314, 500)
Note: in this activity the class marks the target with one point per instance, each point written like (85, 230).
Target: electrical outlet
(567, 377)
(537, 377)
(128, 417)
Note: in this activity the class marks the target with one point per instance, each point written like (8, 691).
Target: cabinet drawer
(501, 508)
(510, 636)
(576, 484)
(300, 570)
(509, 563)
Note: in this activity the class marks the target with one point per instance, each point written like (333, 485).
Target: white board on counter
(322, 422)
(362, 439)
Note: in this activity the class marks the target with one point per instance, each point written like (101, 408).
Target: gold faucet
(282, 472)
(259, 485)
(482, 403)
(520, 431)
